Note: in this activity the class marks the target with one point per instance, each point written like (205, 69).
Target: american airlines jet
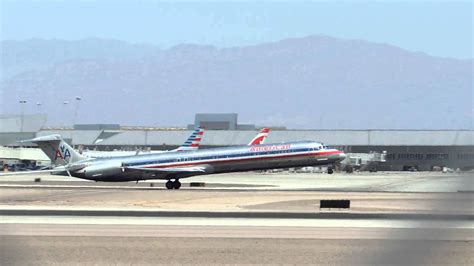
(191, 144)
(173, 166)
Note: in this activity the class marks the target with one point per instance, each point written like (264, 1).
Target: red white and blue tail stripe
(193, 142)
(260, 138)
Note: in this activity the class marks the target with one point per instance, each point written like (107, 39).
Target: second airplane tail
(193, 142)
(260, 138)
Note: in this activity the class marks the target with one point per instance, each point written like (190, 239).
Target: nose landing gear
(173, 184)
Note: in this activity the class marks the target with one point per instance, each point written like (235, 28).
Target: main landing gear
(173, 184)
(330, 170)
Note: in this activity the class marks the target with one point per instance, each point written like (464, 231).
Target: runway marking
(248, 222)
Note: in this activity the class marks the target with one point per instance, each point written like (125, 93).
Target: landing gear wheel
(176, 184)
(330, 171)
(170, 184)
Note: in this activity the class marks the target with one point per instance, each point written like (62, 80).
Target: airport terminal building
(423, 150)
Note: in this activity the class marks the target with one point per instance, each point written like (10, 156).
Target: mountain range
(315, 82)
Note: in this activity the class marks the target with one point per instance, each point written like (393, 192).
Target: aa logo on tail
(62, 153)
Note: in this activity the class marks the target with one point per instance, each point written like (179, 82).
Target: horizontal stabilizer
(54, 137)
(54, 170)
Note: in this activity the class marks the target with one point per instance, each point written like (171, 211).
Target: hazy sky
(442, 28)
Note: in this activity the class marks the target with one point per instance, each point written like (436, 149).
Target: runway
(340, 182)
(203, 200)
(45, 213)
(35, 244)
(256, 231)
(398, 219)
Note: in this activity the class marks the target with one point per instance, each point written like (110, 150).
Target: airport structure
(219, 122)
(422, 150)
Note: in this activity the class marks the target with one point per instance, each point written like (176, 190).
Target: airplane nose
(342, 156)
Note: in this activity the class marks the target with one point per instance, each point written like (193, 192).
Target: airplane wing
(194, 169)
(170, 172)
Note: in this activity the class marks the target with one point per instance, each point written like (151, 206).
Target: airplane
(191, 144)
(173, 166)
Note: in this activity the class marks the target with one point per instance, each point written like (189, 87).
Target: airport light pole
(22, 105)
(64, 119)
(78, 100)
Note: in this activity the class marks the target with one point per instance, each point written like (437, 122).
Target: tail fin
(260, 138)
(193, 142)
(57, 149)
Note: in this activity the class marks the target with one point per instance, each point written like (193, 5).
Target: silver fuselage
(214, 160)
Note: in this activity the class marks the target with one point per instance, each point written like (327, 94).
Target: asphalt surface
(243, 200)
(247, 215)
(341, 182)
(151, 245)
(395, 218)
